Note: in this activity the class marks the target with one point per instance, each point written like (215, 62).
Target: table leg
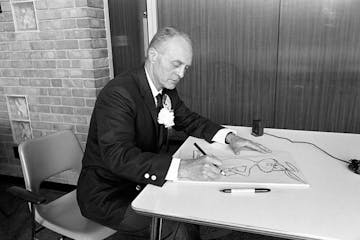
(156, 225)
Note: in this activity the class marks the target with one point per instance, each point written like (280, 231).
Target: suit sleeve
(115, 113)
(190, 122)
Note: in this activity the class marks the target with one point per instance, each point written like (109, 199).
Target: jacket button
(153, 177)
(138, 187)
(146, 175)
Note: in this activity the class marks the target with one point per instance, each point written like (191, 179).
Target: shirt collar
(154, 91)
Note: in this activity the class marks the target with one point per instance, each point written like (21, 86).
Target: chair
(40, 159)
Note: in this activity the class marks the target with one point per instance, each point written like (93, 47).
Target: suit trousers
(135, 226)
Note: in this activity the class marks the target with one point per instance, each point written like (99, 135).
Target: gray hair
(165, 34)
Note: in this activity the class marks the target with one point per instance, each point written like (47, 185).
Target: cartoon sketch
(266, 165)
(251, 168)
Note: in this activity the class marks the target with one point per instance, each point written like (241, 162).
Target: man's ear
(152, 54)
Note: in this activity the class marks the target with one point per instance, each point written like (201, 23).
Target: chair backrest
(46, 156)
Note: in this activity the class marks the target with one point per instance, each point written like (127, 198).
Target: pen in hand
(200, 149)
(204, 153)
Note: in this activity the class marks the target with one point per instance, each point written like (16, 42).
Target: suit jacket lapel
(145, 92)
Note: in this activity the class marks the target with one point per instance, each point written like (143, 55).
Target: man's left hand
(237, 144)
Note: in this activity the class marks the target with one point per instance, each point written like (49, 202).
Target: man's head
(169, 56)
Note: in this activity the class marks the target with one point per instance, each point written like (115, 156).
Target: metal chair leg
(33, 226)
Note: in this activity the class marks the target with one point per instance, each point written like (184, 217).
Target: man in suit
(127, 130)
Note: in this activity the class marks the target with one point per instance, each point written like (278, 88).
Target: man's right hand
(204, 168)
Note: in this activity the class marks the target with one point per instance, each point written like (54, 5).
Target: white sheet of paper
(251, 168)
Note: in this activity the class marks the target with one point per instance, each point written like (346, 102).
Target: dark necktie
(162, 131)
(159, 104)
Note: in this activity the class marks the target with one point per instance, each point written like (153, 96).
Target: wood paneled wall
(126, 33)
(318, 84)
(293, 64)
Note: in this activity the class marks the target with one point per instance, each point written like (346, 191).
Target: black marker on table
(245, 190)
(204, 153)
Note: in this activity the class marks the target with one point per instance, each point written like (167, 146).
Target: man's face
(170, 62)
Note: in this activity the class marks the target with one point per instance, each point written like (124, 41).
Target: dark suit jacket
(122, 150)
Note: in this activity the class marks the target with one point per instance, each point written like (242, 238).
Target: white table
(328, 209)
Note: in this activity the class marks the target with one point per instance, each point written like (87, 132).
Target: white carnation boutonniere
(166, 114)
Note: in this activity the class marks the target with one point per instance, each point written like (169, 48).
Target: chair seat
(64, 217)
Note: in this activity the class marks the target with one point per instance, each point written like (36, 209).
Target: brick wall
(59, 68)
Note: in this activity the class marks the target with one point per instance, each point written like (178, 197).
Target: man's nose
(181, 71)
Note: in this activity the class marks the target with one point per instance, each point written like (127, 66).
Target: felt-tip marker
(200, 149)
(204, 153)
(245, 190)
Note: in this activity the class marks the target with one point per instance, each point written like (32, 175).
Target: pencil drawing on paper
(265, 165)
(250, 167)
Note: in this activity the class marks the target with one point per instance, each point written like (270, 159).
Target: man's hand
(205, 168)
(238, 144)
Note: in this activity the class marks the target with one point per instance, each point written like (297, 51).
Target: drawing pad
(252, 168)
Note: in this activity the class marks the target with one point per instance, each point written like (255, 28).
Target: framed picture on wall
(21, 131)
(19, 118)
(18, 108)
(24, 16)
